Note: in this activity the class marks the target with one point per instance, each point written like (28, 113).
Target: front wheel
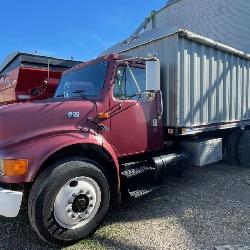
(69, 201)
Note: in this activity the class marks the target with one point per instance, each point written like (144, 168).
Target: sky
(81, 29)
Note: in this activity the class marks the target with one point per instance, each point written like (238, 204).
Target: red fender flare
(49, 146)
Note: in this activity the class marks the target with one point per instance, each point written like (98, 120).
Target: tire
(231, 147)
(75, 187)
(244, 149)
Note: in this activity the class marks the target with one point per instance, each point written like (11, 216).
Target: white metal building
(225, 21)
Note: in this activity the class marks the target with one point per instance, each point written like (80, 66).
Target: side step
(140, 178)
(137, 171)
(134, 164)
(143, 192)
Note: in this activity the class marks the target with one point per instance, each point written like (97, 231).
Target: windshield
(87, 81)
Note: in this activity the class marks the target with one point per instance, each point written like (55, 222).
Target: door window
(125, 85)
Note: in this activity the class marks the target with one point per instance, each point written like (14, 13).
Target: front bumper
(10, 202)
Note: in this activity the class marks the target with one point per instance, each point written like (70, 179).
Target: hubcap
(80, 203)
(77, 202)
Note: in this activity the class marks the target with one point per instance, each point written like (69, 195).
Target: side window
(125, 86)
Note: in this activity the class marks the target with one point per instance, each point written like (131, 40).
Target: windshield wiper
(60, 96)
(81, 93)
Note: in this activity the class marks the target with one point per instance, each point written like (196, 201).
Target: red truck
(26, 76)
(115, 125)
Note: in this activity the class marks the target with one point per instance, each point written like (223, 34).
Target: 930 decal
(72, 115)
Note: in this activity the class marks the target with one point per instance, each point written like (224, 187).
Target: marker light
(103, 115)
(13, 168)
(171, 131)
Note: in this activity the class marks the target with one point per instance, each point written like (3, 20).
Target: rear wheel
(69, 201)
(231, 147)
(244, 149)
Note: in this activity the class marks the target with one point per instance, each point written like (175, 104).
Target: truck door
(136, 125)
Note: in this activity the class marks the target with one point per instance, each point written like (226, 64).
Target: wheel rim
(77, 202)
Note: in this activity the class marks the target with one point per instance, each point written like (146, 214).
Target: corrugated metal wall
(213, 86)
(201, 85)
(226, 21)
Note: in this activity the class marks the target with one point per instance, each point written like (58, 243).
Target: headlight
(13, 168)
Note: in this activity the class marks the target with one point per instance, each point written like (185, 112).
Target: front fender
(38, 151)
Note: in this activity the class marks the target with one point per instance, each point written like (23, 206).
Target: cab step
(137, 171)
(134, 164)
(143, 192)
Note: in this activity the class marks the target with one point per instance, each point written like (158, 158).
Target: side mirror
(153, 77)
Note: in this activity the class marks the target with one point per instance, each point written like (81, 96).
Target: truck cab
(117, 89)
(103, 112)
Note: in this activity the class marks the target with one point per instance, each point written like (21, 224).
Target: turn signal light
(103, 115)
(13, 168)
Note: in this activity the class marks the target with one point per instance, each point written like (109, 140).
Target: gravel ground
(208, 207)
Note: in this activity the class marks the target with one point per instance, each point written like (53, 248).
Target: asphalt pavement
(207, 208)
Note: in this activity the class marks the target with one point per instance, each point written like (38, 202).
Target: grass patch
(97, 241)
(91, 244)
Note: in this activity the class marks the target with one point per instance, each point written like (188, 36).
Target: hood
(22, 121)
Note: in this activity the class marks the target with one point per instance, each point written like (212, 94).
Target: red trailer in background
(30, 77)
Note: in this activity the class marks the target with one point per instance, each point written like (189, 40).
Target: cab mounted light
(13, 168)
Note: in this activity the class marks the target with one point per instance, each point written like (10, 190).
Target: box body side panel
(214, 85)
(202, 85)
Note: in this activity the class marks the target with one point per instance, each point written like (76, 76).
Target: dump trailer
(26, 76)
(117, 124)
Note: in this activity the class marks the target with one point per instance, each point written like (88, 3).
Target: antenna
(48, 69)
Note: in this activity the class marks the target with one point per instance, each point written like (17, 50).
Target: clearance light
(13, 168)
(103, 115)
(184, 131)
(170, 131)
